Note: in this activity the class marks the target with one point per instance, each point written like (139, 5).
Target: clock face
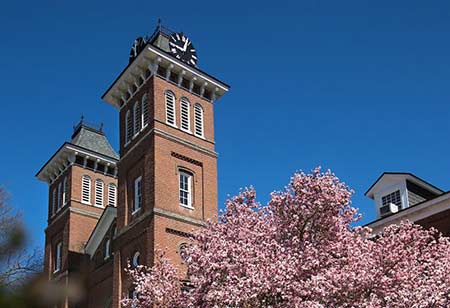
(181, 48)
(137, 47)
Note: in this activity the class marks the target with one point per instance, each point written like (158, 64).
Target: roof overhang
(149, 59)
(65, 156)
(414, 213)
(100, 230)
(391, 177)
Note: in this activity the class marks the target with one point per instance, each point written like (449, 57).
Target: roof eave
(150, 55)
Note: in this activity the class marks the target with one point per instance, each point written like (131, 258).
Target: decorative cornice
(179, 217)
(171, 137)
(147, 64)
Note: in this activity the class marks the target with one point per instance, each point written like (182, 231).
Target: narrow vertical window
(185, 190)
(128, 127)
(144, 108)
(58, 257)
(86, 189)
(107, 249)
(135, 261)
(112, 195)
(59, 195)
(64, 194)
(99, 193)
(170, 108)
(136, 119)
(185, 114)
(54, 205)
(137, 204)
(198, 120)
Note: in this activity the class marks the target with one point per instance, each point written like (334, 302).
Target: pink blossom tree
(300, 250)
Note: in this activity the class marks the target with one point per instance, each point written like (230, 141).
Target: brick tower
(82, 181)
(167, 179)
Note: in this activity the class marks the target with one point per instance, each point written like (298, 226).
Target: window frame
(99, 184)
(135, 259)
(112, 195)
(107, 249)
(199, 116)
(54, 205)
(64, 193)
(136, 119)
(58, 257)
(189, 191)
(185, 114)
(137, 189)
(173, 101)
(89, 188)
(128, 131)
(144, 112)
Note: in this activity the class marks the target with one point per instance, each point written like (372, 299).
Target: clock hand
(176, 46)
(185, 45)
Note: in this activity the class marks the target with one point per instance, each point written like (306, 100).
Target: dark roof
(94, 140)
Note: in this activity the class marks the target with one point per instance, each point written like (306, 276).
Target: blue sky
(357, 86)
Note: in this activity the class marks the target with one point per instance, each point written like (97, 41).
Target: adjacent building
(402, 196)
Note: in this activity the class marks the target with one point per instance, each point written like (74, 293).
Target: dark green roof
(94, 140)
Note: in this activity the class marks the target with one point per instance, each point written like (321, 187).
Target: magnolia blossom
(300, 250)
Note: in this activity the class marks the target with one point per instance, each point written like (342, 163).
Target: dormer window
(387, 200)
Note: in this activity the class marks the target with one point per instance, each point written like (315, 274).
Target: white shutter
(112, 194)
(184, 113)
(99, 193)
(170, 108)
(86, 189)
(144, 109)
(136, 119)
(198, 120)
(128, 127)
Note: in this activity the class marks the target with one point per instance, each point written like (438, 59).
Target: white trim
(172, 102)
(99, 191)
(137, 194)
(199, 120)
(188, 191)
(185, 114)
(88, 186)
(187, 68)
(414, 213)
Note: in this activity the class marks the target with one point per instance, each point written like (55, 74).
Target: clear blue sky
(358, 86)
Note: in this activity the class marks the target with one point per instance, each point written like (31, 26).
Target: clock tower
(167, 172)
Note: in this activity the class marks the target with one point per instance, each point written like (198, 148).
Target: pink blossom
(300, 250)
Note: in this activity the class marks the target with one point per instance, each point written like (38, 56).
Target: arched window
(86, 189)
(112, 194)
(144, 108)
(59, 195)
(185, 189)
(198, 120)
(128, 127)
(136, 119)
(64, 195)
(99, 193)
(58, 257)
(184, 114)
(137, 202)
(135, 260)
(182, 251)
(107, 249)
(170, 108)
(54, 205)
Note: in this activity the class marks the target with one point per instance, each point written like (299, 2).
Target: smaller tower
(82, 181)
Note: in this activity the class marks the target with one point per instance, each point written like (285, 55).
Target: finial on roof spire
(101, 127)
